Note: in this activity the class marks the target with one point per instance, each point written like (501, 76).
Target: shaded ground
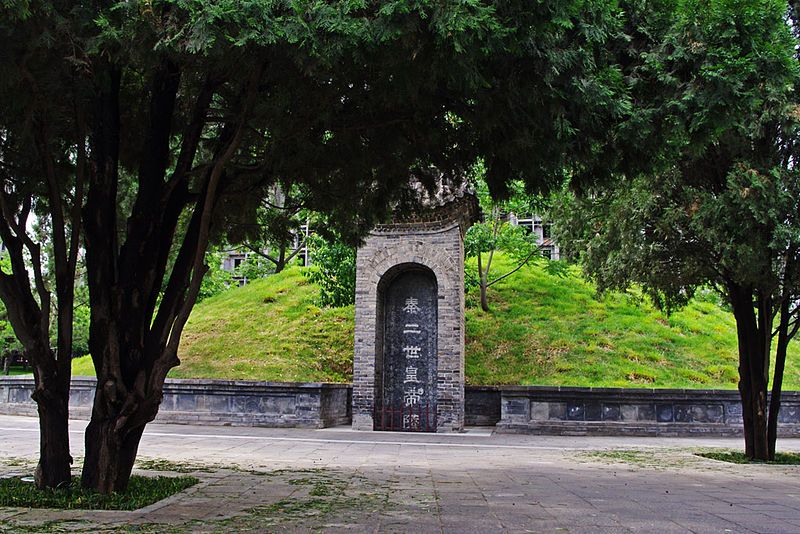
(268, 480)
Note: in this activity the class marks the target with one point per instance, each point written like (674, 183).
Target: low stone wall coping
(626, 391)
(205, 383)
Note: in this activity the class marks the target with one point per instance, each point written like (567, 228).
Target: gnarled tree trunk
(110, 449)
(136, 322)
(754, 335)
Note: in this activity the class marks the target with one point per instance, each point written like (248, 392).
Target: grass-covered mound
(542, 329)
(545, 329)
(270, 329)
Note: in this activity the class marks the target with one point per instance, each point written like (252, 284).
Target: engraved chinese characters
(409, 367)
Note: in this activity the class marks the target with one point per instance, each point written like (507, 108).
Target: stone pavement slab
(337, 480)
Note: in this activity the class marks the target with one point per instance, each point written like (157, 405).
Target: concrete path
(269, 480)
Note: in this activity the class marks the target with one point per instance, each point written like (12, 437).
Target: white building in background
(234, 258)
(301, 242)
(533, 224)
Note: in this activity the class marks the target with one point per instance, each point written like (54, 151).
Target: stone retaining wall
(517, 409)
(635, 412)
(211, 402)
(482, 405)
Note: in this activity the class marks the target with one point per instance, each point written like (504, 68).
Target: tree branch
(517, 268)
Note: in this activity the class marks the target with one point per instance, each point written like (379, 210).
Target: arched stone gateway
(408, 371)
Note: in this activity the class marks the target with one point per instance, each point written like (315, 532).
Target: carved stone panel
(408, 381)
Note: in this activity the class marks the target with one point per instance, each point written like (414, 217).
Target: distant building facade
(533, 224)
(234, 258)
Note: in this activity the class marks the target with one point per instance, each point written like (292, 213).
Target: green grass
(737, 457)
(270, 329)
(18, 370)
(142, 491)
(542, 329)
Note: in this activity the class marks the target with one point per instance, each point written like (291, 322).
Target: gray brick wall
(633, 412)
(438, 246)
(210, 402)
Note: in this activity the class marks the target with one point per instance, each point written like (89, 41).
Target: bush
(216, 279)
(333, 268)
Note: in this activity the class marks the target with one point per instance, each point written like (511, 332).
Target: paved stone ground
(269, 480)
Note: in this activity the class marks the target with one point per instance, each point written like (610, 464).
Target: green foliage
(80, 327)
(8, 340)
(142, 491)
(496, 233)
(270, 234)
(512, 239)
(717, 96)
(216, 279)
(254, 267)
(333, 268)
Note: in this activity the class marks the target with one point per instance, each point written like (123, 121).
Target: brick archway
(388, 250)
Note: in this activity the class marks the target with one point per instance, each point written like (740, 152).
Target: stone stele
(408, 371)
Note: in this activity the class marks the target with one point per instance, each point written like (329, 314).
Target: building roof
(433, 205)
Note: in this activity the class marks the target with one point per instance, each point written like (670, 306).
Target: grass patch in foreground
(142, 491)
(738, 457)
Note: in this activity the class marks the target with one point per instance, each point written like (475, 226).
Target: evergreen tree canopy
(156, 123)
(717, 102)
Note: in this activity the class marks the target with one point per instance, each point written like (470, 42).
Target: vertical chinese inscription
(409, 366)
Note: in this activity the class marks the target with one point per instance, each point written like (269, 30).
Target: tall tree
(43, 165)
(718, 94)
(192, 108)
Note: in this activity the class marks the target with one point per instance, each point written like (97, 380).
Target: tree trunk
(747, 412)
(136, 323)
(483, 282)
(759, 411)
(110, 456)
(775, 401)
(281, 263)
(777, 380)
(111, 446)
(54, 468)
(753, 354)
